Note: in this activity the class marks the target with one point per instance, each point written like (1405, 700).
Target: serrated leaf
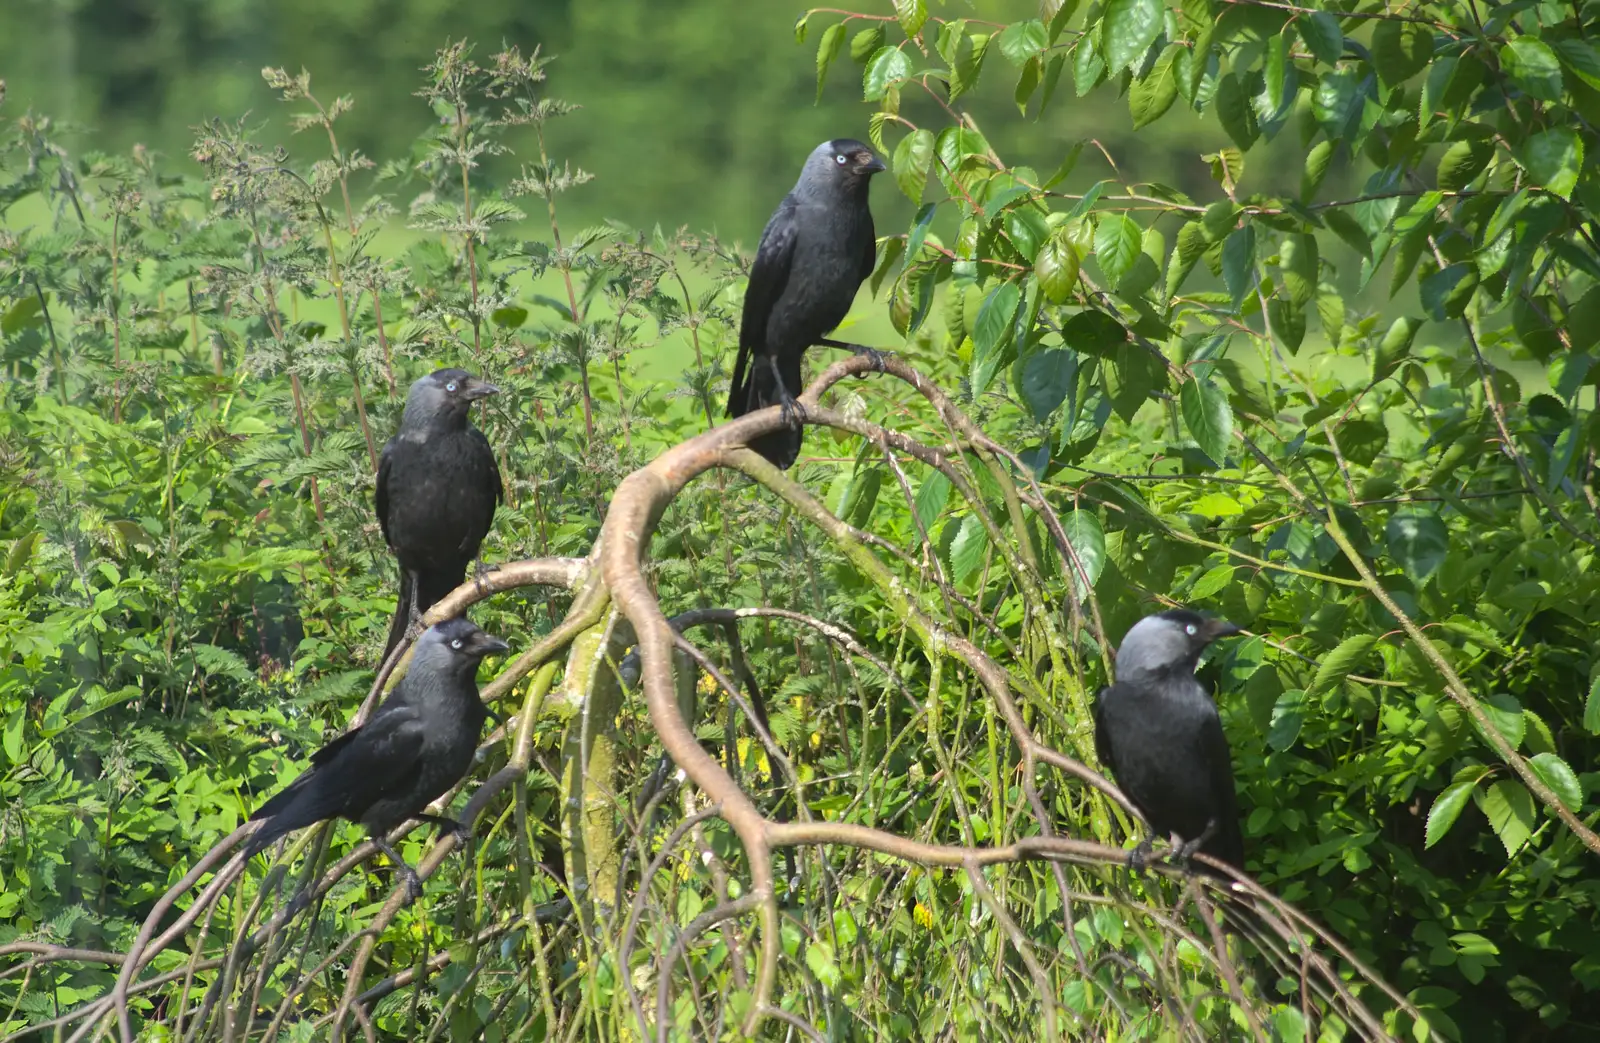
(819, 957)
(1214, 580)
(1047, 377)
(1127, 29)
(912, 159)
(1347, 228)
(1591, 709)
(827, 50)
(1418, 541)
(1330, 312)
(1447, 807)
(1534, 66)
(1506, 716)
(1088, 543)
(1117, 242)
(1335, 101)
(1322, 35)
(1233, 111)
(1239, 262)
(1342, 661)
(1208, 416)
(1056, 267)
(1150, 97)
(1277, 74)
(1446, 292)
(1559, 776)
(1394, 347)
(1023, 41)
(966, 551)
(1297, 256)
(992, 332)
(1580, 57)
(913, 15)
(932, 495)
(865, 44)
(1317, 162)
(1554, 159)
(1400, 50)
(1509, 807)
(888, 67)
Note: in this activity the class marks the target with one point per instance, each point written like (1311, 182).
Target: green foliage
(199, 371)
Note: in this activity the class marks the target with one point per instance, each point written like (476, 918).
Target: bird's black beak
(874, 165)
(477, 389)
(488, 644)
(1220, 628)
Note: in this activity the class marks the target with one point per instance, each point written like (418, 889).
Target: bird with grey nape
(817, 249)
(1159, 732)
(418, 744)
(438, 487)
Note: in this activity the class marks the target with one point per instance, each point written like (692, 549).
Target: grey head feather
(453, 648)
(837, 169)
(1168, 642)
(440, 400)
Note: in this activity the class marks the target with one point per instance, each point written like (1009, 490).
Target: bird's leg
(793, 413)
(480, 569)
(1185, 850)
(414, 628)
(460, 830)
(413, 881)
(879, 359)
(1139, 857)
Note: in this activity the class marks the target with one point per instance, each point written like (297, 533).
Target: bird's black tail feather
(781, 447)
(402, 616)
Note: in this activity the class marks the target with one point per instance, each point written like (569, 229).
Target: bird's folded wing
(769, 274)
(1219, 767)
(381, 496)
(494, 468)
(1102, 738)
(363, 765)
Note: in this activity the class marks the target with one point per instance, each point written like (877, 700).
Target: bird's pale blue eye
(839, 160)
(457, 642)
(1189, 629)
(450, 386)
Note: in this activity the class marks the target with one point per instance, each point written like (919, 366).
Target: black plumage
(438, 486)
(817, 249)
(1159, 732)
(418, 744)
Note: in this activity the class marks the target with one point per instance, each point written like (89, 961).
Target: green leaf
(1233, 111)
(1534, 67)
(912, 159)
(827, 50)
(1591, 709)
(1047, 377)
(1088, 543)
(931, 497)
(1022, 41)
(819, 957)
(1446, 809)
(888, 67)
(1554, 159)
(1299, 261)
(1322, 35)
(1349, 229)
(1214, 580)
(1462, 162)
(913, 15)
(1056, 266)
(1341, 662)
(1117, 241)
(1277, 75)
(865, 44)
(1330, 312)
(1418, 541)
(1400, 50)
(1127, 378)
(1394, 347)
(1239, 262)
(1127, 29)
(1093, 333)
(1562, 780)
(1509, 807)
(966, 552)
(1151, 97)
(1335, 101)
(1317, 163)
(1288, 322)
(1208, 417)
(1581, 58)
(1446, 292)
(1506, 716)
(992, 332)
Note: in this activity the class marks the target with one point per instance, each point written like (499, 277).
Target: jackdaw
(438, 486)
(418, 744)
(816, 250)
(1159, 732)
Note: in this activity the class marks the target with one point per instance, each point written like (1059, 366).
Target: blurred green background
(679, 98)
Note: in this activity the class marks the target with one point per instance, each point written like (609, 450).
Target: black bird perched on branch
(817, 249)
(438, 486)
(1159, 732)
(418, 744)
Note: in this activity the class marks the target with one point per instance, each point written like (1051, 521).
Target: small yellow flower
(923, 916)
(707, 685)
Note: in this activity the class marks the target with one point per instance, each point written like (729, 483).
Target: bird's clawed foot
(1183, 850)
(1139, 857)
(479, 570)
(413, 881)
(460, 830)
(790, 409)
(880, 359)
